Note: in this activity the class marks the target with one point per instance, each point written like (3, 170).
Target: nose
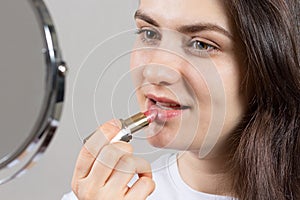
(161, 74)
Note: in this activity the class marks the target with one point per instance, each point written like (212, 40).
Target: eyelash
(191, 46)
(150, 41)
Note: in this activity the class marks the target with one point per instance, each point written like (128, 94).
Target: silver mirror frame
(20, 161)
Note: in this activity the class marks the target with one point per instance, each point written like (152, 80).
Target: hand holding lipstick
(103, 169)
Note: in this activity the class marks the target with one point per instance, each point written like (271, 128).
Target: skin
(103, 169)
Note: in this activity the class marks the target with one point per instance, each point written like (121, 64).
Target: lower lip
(164, 115)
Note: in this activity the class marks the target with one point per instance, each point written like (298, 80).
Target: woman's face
(190, 71)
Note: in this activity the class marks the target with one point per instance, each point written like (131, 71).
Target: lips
(167, 108)
(166, 103)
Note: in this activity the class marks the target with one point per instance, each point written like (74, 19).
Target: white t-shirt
(169, 184)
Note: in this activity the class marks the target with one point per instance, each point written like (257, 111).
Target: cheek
(197, 85)
(133, 60)
(204, 92)
(138, 59)
(235, 100)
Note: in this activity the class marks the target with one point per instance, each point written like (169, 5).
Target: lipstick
(133, 124)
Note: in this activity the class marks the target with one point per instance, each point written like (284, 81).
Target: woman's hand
(103, 170)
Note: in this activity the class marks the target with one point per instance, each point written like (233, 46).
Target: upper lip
(163, 99)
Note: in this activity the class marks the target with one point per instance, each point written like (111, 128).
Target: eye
(199, 45)
(149, 36)
(200, 48)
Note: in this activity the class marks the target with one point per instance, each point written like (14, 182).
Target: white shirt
(169, 184)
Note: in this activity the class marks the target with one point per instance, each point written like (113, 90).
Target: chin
(166, 140)
(160, 138)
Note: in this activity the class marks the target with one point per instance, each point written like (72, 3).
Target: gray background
(80, 26)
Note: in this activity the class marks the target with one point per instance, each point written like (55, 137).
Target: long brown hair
(266, 146)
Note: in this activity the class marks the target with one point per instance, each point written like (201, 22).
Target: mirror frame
(44, 128)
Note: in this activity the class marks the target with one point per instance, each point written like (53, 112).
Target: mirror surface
(22, 74)
(32, 77)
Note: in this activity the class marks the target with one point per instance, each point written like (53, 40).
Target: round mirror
(32, 77)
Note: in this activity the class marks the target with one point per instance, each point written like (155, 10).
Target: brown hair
(266, 146)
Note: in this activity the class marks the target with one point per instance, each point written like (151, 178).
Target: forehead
(174, 13)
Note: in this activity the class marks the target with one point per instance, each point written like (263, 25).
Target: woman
(254, 46)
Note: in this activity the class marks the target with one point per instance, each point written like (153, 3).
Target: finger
(91, 148)
(102, 136)
(126, 168)
(107, 161)
(141, 189)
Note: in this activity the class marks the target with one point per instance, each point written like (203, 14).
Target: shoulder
(69, 196)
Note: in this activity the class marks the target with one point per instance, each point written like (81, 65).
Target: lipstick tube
(134, 124)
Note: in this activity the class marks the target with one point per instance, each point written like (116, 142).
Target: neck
(205, 175)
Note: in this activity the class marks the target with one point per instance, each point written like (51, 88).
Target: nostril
(164, 83)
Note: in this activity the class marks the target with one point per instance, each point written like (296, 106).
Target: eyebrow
(187, 29)
(140, 15)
